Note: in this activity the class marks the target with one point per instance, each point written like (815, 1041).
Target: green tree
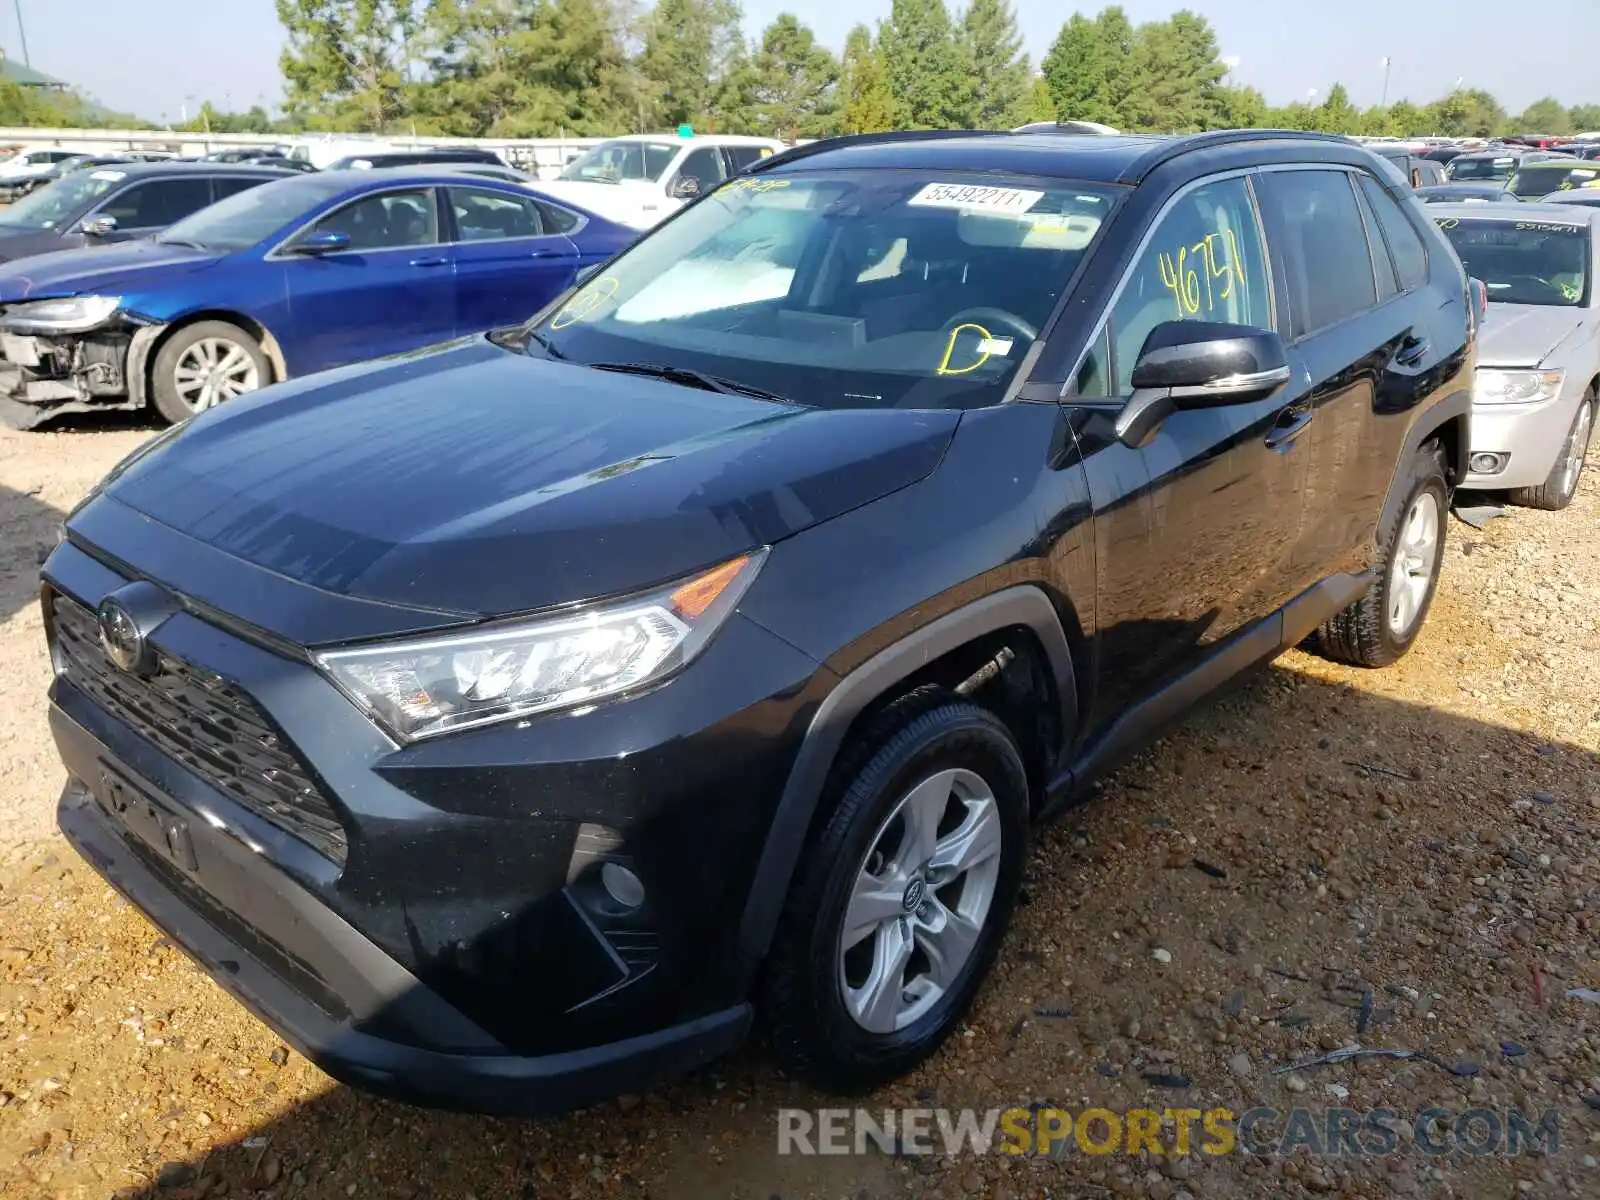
(1545, 116)
(999, 80)
(1239, 107)
(1336, 114)
(692, 49)
(1405, 118)
(796, 82)
(923, 65)
(345, 61)
(1041, 105)
(1089, 68)
(1585, 118)
(866, 103)
(525, 68)
(1177, 73)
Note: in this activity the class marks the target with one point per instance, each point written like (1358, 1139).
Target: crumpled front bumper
(41, 376)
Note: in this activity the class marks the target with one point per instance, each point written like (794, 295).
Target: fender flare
(1457, 404)
(1023, 605)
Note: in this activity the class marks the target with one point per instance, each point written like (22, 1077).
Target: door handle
(430, 262)
(1412, 351)
(546, 252)
(1291, 423)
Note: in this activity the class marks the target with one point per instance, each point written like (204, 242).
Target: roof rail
(1166, 151)
(796, 153)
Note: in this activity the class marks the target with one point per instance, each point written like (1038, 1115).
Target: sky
(157, 58)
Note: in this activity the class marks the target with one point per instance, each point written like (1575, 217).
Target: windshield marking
(586, 303)
(960, 195)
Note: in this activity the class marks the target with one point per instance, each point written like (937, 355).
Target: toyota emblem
(120, 637)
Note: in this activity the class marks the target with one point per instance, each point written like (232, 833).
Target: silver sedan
(1538, 375)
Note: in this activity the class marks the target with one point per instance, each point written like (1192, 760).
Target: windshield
(1540, 179)
(59, 203)
(843, 289)
(612, 162)
(248, 217)
(1524, 262)
(1481, 168)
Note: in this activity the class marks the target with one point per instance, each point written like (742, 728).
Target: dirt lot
(1413, 851)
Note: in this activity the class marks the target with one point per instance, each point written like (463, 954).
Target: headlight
(422, 688)
(1515, 387)
(69, 314)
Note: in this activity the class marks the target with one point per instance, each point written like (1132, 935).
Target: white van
(642, 178)
(30, 164)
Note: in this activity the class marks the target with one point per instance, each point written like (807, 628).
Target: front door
(391, 290)
(508, 264)
(1194, 529)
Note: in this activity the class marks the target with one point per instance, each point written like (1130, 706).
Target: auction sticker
(108, 176)
(961, 195)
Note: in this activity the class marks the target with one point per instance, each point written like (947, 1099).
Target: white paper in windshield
(962, 195)
(108, 176)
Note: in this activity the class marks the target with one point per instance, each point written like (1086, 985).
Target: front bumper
(45, 376)
(1531, 435)
(453, 947)
(461, 1068)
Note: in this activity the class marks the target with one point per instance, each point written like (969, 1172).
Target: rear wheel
(1377, 629)
(204, 365)
(1558, 489)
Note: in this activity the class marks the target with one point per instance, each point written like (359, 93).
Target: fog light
(1487, 464)
(622, 885)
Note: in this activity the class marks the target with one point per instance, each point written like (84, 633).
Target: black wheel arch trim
(1021, 605)
(1457, 405)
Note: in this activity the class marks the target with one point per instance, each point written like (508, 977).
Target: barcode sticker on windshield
(108, 176)
(960, 195)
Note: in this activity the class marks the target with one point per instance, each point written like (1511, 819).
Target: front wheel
(903, 897)
(204, 365)
(1380, 627)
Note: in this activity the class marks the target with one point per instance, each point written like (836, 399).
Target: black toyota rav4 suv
(514, 721)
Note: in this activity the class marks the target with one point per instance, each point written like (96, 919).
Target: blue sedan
(295, 276)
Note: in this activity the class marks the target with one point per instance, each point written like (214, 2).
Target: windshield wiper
(688, 377)
(188, 242)
(534, 335)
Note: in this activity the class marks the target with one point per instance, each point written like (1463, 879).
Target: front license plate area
(146, 814)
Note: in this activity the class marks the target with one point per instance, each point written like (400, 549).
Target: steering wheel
(1536, 285)
(989, 316)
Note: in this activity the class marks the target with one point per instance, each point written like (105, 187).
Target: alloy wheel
(212, 370)
(1415, 557)
(1577, 448)
(921, 897)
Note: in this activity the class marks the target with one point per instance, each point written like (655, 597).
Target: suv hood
(89, 269)
(1522, 335)
(476, 480)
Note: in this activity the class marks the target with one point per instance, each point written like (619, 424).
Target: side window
(483, 216)
(1405, 244)
(1094, 376)
(1324, 245)
(224, 187)
(740, 157)
(704, 166)
(1388, 283)
(1204, 262)
(386, 221)
(555, 218)
(158, 203)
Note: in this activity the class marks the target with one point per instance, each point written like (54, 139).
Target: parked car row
(512, 720)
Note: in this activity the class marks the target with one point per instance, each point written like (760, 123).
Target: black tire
(1558, 489)
(812, 1032)
(1362, 634)
(163, 381)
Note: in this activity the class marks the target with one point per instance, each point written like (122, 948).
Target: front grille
(205, 723)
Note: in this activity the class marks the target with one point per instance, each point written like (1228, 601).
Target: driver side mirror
(101, 226)
(1199, 364)
(684, 187)
(324, 241)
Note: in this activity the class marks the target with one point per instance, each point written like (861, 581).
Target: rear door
(509, 262)
(1193, 529)
(1358, 319)
(393, 290)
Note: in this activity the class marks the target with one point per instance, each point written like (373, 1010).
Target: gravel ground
(1320, 847)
